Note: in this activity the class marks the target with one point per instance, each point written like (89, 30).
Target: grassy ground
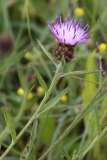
(77, 114)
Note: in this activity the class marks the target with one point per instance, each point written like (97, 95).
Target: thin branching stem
(48, 93)
(73, 124)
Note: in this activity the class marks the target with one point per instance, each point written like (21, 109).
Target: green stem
(51, 88)
(72, 125)
(7, 130)
(15, 151)
(84, 134)
(93, 143)
(63, 8)
(95, 3)
(22, 108)
(97, 121)
(95, 110)
(4, 133)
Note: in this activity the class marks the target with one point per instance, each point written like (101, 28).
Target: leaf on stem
(93, 104)
(93, 143)
(9, 123)
(40, 79)
(55, 100)
(27, 150)
(47, 53)
(80, 72)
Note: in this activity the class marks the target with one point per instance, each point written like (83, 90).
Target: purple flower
(69, 32)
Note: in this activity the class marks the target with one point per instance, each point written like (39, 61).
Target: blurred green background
(21, 23)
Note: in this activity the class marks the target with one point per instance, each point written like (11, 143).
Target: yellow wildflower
(28, 55)
(30, 96)
(103, 47)
(64, 98)
(79, 12)
(30, 7)
(40, 90)
(20, 91)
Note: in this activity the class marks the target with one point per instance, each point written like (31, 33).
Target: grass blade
(93, 143)
(66, 157)
(1, 130)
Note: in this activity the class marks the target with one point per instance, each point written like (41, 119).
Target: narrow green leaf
(44, 64)
(67, 157)
(1, 130)
(9, 123)
(55, 100)
(47, 53)
(96, 101)
(28, 22)
(22, 80)
(91, 106)
(46, 123)
(89, 90)
(32, 88)
(75, 155)
(40, 79)
(27, 150)
(93, 143)
(80, 72)
(13, 135)
(7, 117)
(34, 130)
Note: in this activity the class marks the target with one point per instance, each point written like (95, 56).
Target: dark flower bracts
(68, 34)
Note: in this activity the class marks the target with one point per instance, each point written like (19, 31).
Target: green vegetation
(51, 110)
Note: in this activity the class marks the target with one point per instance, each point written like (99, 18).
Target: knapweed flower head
(68, 34)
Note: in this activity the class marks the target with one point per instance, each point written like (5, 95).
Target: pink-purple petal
(69, 32)
(67, 19)
(79, 24)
